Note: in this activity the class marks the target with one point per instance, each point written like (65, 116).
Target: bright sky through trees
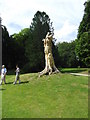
(66, 15)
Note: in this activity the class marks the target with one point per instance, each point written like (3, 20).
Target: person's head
(16, 66)
(3, 66)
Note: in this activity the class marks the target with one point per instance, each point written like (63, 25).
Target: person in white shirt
(3, 74)
(17, 75)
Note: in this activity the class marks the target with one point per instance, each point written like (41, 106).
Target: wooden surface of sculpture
(49, 60)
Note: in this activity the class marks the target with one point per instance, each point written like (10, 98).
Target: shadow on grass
(9, 83)
(24, 82)
(1, 89)
(17, 82)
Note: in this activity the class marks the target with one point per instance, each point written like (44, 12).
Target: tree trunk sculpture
(49, 61)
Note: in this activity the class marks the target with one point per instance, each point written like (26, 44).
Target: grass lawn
(57, 96)
(74, 70)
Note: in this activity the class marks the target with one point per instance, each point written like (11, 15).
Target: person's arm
(5, 70)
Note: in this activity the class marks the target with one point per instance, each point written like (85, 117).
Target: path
(79, 74)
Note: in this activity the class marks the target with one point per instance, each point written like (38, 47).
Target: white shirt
(17, 71)
(3, 71)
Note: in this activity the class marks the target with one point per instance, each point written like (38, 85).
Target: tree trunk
(49, 61)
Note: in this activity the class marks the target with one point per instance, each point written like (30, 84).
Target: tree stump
(49, 60)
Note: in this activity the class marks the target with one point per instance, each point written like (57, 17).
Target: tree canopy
(26, 47)
(67, 54)
(34, 46)
(27, 50)
(83, 37)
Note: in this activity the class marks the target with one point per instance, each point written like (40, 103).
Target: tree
(13, 48)
(34, 46)
(67, 54)
(5, 41)
(49, 60)
(26, 48)
(0, 44)
(83, 38)
(20, 41)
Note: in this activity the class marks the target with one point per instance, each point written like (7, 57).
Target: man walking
(3, 74)
(17, 75)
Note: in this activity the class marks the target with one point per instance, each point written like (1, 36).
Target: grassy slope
(54, 96)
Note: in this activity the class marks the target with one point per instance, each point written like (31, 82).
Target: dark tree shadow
(1, 89)
(23, 82)
(9, 83)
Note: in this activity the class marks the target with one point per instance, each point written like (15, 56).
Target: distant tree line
(83, 38)
(77, 53)
(26, 47)
(67, 54)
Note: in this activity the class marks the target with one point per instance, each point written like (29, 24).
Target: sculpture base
(53, 70)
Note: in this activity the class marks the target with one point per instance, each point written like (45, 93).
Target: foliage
(5, 45)
(26, 47)
(83, 48)
(13, 48)
(67, 54)
(56, 96)
(34, 46)
(83, 38)
(20, 40)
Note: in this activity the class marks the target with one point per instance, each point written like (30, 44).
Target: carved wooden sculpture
(49, 61)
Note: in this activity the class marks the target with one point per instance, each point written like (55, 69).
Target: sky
(66, 15)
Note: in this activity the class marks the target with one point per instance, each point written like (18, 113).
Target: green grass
(74, 70)
(57, 96)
